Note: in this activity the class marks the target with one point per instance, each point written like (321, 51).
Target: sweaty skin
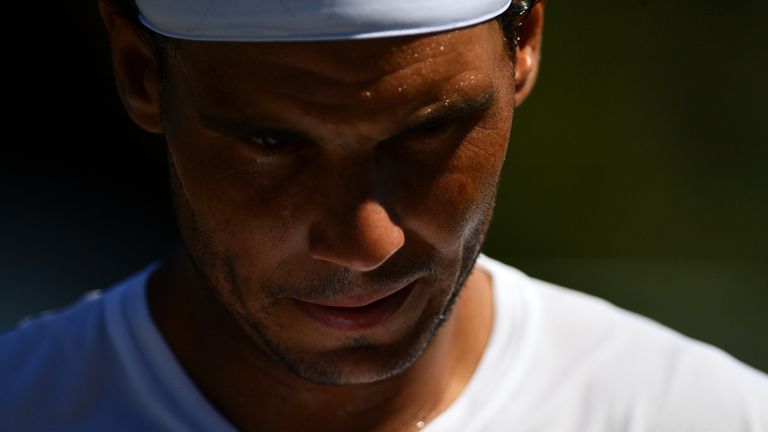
(321, 171)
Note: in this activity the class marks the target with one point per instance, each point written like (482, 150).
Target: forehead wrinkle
(309, 87)
(385, 117)
(318, 58)
(243, 86)
(330, 72)
(395, 117)
(322, 89)
(388, 103)
(351, 61)
(323, 94)
(426, 76)
(366, 68)
(354, 74)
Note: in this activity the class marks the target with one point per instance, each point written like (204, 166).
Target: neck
(255, 392)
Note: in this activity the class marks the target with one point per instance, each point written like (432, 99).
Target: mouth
(368, 315)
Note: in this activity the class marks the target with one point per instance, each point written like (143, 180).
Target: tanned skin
(323, 170)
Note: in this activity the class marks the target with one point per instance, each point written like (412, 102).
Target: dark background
(636, 171)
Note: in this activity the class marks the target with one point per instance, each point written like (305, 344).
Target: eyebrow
(434, 114)
(445, 111)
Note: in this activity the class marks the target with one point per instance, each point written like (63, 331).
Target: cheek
(240, 214)
(442, 206)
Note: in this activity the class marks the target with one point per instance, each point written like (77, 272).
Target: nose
(361, 239)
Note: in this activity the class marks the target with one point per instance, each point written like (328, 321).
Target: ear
(528, 53)
(134, 67)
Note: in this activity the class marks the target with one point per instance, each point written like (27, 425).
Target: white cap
(296, 20)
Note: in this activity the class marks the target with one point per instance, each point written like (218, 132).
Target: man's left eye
(435, 133)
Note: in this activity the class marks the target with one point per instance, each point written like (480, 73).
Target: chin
(356, 359)
(362, 364)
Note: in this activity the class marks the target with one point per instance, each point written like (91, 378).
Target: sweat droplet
(420, 424)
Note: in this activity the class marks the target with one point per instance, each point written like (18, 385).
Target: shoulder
(45, 359)
(66, 367)
(59, 334)
(593, 357)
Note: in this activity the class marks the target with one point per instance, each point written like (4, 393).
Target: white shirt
(557, 361)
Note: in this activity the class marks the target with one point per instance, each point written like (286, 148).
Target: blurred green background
(636, 170)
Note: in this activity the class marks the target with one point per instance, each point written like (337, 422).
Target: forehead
(347, 59)
(339, 77)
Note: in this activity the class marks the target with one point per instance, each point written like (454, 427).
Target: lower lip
(358, 318)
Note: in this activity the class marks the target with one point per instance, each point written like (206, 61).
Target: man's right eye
(275, 142)
(269, 142)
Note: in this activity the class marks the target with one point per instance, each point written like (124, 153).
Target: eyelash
(433, 136)
(437, 129)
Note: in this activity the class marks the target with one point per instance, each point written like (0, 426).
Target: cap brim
(307, 20)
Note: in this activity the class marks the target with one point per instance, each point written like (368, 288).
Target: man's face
(334, 172)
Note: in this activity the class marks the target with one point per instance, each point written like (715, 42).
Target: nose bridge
(354, 225)
(350, 166)
(353, 172)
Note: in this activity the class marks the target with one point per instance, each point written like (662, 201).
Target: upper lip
(355, 301)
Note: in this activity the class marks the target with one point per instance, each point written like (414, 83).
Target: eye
(275, 142)
(269, 142)
(426, 143)
(435, 132)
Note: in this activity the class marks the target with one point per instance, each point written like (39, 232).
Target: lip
(366, 316)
